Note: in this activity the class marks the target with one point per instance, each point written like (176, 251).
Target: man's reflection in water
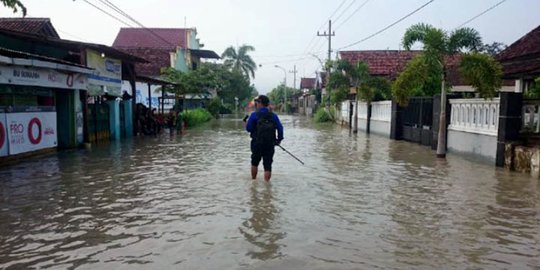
(260, 229)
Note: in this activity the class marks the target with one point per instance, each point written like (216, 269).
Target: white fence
(478, 116)
(381, 115)
(346, 107)
(381, 111)
(473, 127)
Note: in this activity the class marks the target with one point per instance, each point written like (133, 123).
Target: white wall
(473, 127)
(381, 113)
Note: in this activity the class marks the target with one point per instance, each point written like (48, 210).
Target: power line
(484, 12)
(389, 26)
(320, 27)
(352, 14)
(126, 15)
(345, 10)
(109, 14)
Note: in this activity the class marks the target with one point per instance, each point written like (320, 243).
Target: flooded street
(188, 202)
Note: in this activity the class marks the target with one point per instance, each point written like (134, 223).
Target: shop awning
(204, 54)
(18, 58)
(154, 81)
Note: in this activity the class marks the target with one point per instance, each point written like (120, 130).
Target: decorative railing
(531, 115)
(381, 111)
(475, 115)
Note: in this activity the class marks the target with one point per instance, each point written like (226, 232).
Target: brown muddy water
(187, 202)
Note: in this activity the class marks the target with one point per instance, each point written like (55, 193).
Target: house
(389, 63)
(307, 102)
(178, 48)
(521, 60)
(93, 111)
(36, 26)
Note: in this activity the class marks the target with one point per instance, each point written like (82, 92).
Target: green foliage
(325, 115)
(347, 75)
(15, 5)
(424, 74)
(193, 82)
(196, 117)
(534, 89)
(214, 107)
(338, 95)
(277, 95)
(419, 78)
(482, 72)
(229, 83)
(239, 60)
(493, 48)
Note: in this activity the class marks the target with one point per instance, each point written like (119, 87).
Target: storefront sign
(3, 136)
(31, 131)
(19, 75)
(108, 74)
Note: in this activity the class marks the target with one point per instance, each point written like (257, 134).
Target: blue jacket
(252, 122)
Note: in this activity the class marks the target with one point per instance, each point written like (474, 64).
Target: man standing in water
(262, 126)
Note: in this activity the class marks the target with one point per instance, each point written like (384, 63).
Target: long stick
(290, 154)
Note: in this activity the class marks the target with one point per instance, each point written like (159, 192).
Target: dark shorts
(266, 153)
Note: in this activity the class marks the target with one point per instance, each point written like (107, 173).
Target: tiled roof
(307, 83)
(35, 26)
(522, 58)
(157, 59)
(389, 63)
(528, 45)
(161, 38)
(381, 63)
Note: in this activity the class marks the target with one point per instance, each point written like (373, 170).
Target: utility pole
(294, 71)
(330, 34)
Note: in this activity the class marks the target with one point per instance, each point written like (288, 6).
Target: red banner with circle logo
(3, 136)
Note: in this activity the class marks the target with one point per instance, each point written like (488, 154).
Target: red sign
(2, 135)
(34, 140)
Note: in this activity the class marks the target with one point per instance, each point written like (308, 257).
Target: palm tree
(479, 70)
(15, 5)
(239, 60)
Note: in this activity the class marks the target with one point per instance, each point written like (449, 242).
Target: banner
(108, 74)
(20, 75)
(31, 131)
(3, 136)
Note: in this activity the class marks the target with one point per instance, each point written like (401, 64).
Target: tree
(479, 70)
(277, 95)
(15, 5)
(239, 60)
(493, 48)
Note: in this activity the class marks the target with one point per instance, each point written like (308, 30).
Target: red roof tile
(35, 26)
(157, 59)
(528, 45)
(522, 58)
(169, 38)
(307, 83)
(381, 63)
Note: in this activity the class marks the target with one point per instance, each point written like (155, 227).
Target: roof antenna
(185, 22)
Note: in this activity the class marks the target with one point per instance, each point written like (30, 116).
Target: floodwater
(187, 202)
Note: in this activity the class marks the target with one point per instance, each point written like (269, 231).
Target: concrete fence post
(509, 123)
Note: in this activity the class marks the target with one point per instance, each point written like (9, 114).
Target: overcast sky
(284, 32)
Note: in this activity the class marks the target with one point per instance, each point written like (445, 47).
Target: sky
(284, 33)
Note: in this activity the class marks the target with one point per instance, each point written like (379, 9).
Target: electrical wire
(387, 27)
(482, 13)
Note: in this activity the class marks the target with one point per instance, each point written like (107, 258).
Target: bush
(214, 107)
(197, 117)
(323, 115)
